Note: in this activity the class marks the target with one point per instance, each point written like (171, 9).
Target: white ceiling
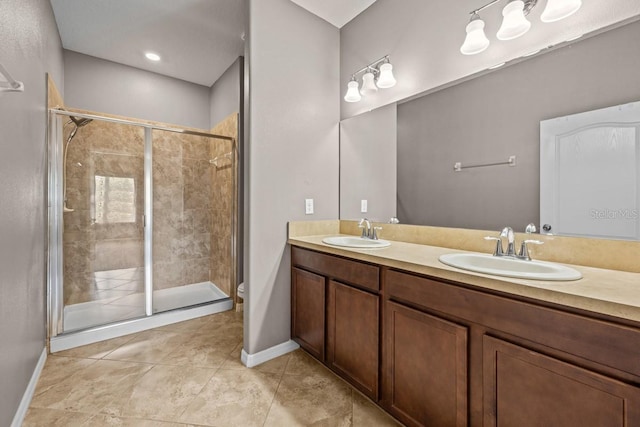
(196, 39)
(336, 12)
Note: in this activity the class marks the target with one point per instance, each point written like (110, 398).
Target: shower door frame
(55, 261)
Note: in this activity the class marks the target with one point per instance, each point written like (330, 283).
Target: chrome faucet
(511, 241)
(511, 244)
(368, 232)
(366, 227)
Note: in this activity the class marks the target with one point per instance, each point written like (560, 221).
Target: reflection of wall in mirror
(497, 115)
(368, 165)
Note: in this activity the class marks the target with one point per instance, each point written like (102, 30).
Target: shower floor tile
(88, 314)
(124, 299)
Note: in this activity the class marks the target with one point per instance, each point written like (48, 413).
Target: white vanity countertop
(609, 292)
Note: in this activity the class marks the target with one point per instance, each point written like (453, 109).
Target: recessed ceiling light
(152, 56)
(497, 66)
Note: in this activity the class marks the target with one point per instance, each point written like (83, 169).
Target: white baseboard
(28, 393)
(251, 360)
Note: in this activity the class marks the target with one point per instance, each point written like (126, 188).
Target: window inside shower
(148, 225)
(114, 199)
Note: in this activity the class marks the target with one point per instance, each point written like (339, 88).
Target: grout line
(266, 417)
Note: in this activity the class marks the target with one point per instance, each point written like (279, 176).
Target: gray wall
(30, 48)
(424, 39)
(497, 115)
(104, 86)
(368, 164)
(293, 149)
(224, 96)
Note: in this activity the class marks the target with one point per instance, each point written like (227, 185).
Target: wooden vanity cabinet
(528, 365)
(353, 336)
(336, 315)
(526, 389)
(425, 369)
(449, 354)
(308, 311)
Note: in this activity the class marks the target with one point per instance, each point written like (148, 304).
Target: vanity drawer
(343, 270)
(603, 342)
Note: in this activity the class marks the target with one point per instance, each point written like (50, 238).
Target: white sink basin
(510, 267)
(355, 242)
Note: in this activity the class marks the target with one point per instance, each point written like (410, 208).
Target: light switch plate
(308, 206)
(363, 206)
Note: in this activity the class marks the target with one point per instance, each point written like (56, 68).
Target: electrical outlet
(363, 206)
(308, 206)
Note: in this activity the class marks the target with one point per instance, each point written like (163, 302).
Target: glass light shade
(559, 9)
(476, 41)
(386, 79)
(514, 24)
(368, 85)
(353, 95)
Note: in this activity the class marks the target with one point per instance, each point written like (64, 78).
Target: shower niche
(142, 225)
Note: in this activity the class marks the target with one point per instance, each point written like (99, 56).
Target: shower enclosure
(142, 226)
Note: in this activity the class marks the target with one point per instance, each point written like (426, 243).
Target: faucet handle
(531, 228)
(498, 251)
(374, 234)
(524, 249)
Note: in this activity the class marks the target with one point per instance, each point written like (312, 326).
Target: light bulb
(368, 85)
(386, 79)
(559, 9)
(152, 56)
(476, 41)
(353, 95)
(514, 24)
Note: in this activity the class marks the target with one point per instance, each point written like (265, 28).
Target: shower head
(80, 121)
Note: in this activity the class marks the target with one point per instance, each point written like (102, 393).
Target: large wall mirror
(487, 120)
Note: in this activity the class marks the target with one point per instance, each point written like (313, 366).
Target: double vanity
(437, 345)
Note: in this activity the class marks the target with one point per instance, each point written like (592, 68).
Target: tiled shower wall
(223, 199)
(190, 198)
(182, 209)
(192, 209)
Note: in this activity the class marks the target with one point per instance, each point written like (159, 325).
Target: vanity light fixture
(476, 40)
(514, 22)
(368, 83)
(559, 9)
(353, 94)
(378, 74)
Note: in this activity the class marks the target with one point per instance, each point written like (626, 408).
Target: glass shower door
(191, 228)
(102, 222)
(141, 221)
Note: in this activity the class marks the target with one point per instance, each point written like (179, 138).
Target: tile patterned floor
(189, 374)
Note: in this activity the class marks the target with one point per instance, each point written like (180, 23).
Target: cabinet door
(524, 388)
(425, 368)
(352, 336)
(308, 311)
